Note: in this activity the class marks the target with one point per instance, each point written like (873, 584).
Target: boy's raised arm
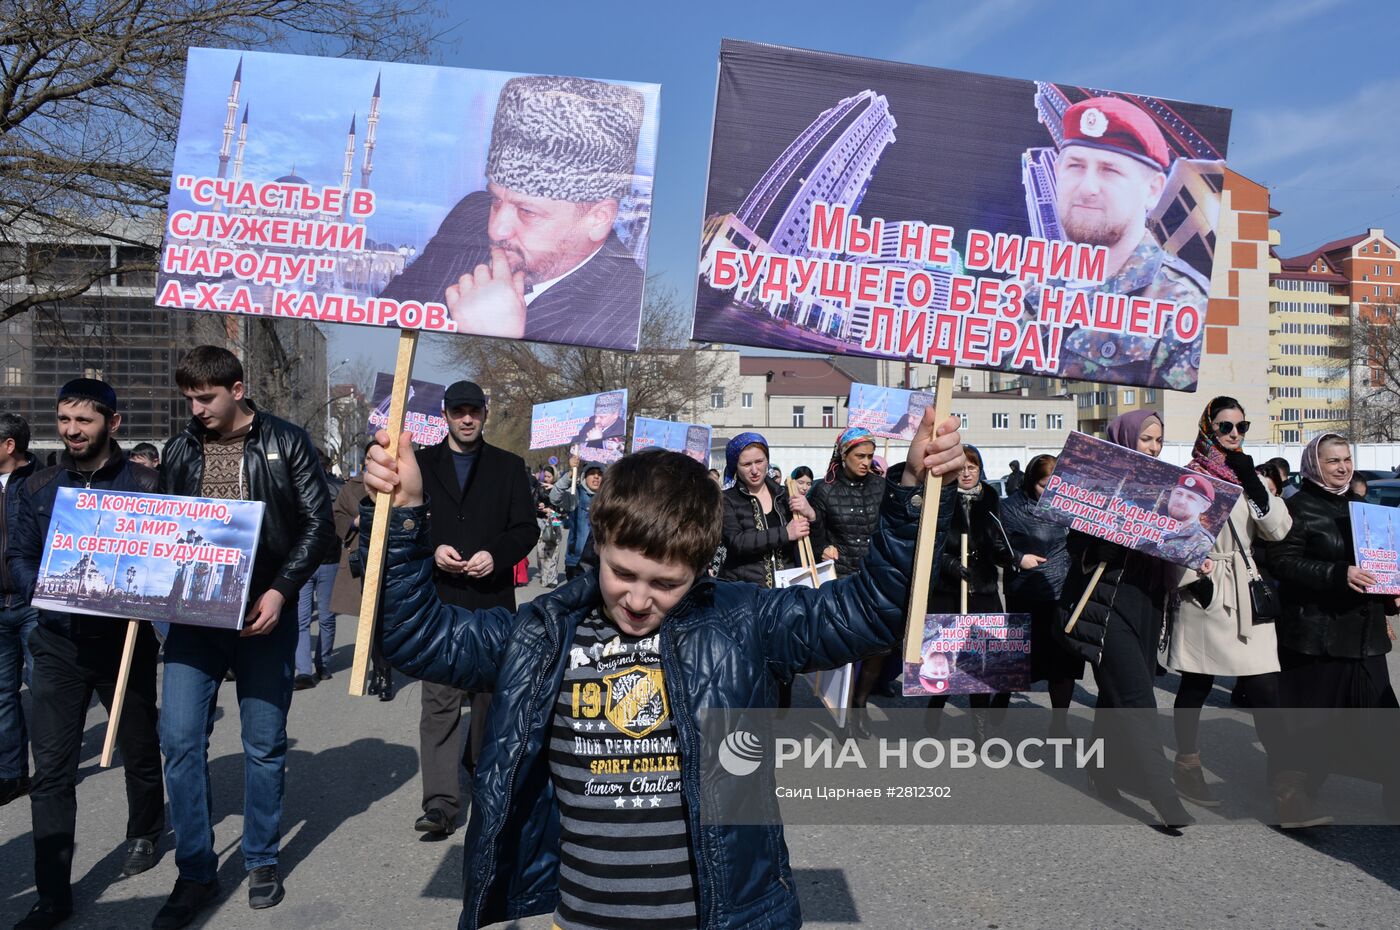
(422, 636)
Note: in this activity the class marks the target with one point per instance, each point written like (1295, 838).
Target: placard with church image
(149, 557)
(865, 207)
(411, 196)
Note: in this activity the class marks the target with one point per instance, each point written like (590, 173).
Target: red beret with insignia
(1115, 125)
(1197, 485)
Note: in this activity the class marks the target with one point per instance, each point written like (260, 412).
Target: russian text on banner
(866, 207)
(593, 426)
(1137, 501)
(423, 415)
(412, 196)
(149, 557)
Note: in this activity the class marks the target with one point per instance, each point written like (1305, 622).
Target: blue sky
(1314, 85)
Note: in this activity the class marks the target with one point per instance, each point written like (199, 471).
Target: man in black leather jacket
(232, 450)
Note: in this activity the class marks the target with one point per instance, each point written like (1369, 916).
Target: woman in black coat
(761, 525)
(976, 519)
(1333, 637)
(1038, 593)
(1118, 633)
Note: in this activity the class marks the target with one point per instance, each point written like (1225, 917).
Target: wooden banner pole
(379, 530)
(804, 545)
(114, 718)
(1084, 598)
(928, 530)
(963, 580)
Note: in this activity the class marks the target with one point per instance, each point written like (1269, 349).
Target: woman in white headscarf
(1333, 636)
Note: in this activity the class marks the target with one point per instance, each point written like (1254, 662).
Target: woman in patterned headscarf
(1215, 631)
(847, 504)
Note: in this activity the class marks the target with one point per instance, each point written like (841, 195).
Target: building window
(1054, 421)
(14, 377)
(1129, 397)
(717, 398)
(1027, 421)
(799, 417)
(828, 417)
(746, 400)
(963, 421)
(1001, 421)
(1151, 397)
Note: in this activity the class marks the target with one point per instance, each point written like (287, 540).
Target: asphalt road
(351, 859)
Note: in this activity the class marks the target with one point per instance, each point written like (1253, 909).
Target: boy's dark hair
(208, 366)
(13, 426)
(146, 448)
(663, 504)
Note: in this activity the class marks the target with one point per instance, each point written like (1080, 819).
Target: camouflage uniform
(1090, 355)
(1191, 542)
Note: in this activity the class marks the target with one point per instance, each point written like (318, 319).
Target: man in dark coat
(535, 256)
(77, 655)
(484, 523)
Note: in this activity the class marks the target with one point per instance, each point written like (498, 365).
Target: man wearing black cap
(535, 254)
(482, 521)
(76, 655)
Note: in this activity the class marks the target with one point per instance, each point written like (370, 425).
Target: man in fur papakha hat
(534, 256)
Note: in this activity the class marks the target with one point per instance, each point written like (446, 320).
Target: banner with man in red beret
(1137, 501)
(865, 207)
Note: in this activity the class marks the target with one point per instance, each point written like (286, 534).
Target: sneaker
(302, 682)
(186, 900)
(434, 823)
(45, 914)
(1190, 782)
(323, 674)
(265, 887)
(12, 789)
(140, 856)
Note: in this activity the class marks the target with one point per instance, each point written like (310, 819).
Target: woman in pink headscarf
(1118, 633)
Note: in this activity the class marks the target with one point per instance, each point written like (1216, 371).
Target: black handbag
(1264, 601)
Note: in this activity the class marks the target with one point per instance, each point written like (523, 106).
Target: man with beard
(1109, 175)
(483, 523)
(1192, 496)
(534, 256)
(77, 655)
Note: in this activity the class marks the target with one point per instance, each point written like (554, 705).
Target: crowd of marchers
(619, 550)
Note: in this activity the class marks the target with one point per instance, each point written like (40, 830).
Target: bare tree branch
(90, 103)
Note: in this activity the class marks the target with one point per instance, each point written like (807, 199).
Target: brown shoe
(1292, 805)
(1190, 781)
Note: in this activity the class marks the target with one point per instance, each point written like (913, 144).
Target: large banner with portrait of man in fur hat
(398, 195)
